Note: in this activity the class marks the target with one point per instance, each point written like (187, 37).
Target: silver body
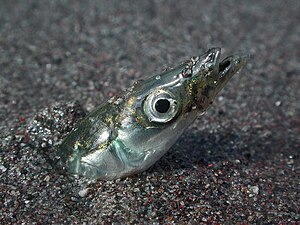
(131, 132)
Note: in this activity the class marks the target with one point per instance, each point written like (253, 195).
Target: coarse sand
(237, 164)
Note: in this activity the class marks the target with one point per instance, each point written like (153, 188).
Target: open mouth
(221, 70)
(224, 66)
(229, 65)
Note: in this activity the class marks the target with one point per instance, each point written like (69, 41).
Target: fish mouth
(222, 70)
(216, 74)
(231, 65)
(226, 68)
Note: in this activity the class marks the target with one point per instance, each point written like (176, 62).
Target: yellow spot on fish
(131, 100)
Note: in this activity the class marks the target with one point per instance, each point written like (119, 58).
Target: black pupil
(162, 105)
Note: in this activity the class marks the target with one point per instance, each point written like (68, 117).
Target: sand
(237, 164)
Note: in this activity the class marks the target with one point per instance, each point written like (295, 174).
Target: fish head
(160, 108)
(187, 89)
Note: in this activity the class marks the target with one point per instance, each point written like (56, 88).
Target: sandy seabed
(238, 164)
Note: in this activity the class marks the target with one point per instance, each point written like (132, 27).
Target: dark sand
(239, 163)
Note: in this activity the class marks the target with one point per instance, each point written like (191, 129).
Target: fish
(130, 132)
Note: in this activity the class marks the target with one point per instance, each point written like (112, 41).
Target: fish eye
(161, 106)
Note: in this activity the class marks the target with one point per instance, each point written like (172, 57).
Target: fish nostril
(223, 66)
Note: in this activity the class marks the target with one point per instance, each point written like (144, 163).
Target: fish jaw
(211, 75)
